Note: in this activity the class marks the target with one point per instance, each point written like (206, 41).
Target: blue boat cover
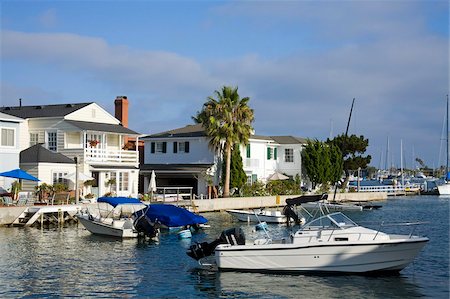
(448, 176)
(115, 201)
(173, 216)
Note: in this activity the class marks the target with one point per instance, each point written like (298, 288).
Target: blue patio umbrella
(19, 174)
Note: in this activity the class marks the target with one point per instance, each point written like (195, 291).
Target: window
(51, 141)
(181, 147)
(60, 178)
(158, 147)
(123, 181)
(288, 155)
(34, 138)
(8, 137)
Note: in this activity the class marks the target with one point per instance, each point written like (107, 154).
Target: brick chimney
(121, 110)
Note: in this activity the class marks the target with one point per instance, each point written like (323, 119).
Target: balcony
(95, 155)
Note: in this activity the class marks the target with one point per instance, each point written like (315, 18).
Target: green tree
(238, 178)
(227, 120)
(352, 147)
(322, 162)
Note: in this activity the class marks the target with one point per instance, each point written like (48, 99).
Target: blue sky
(300, 62)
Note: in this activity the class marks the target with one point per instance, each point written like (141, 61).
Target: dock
(31, 215)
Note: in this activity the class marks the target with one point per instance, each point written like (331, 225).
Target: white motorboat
(130, 218)
(444, 189)
(259, 215)
(330, 243)
(117, 221)
(122, 228)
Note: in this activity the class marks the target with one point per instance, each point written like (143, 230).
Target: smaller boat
(258, 215)
(130, 218)
(116, 222)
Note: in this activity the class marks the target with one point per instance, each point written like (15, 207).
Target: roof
(102, 127)
(174, 167)
(187, 131)
(38, 154)
(10, 118)
(198, 131)
(288, 139)
(58, 110)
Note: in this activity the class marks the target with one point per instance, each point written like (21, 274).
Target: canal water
(70, 262)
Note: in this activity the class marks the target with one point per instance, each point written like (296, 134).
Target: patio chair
(7, 201)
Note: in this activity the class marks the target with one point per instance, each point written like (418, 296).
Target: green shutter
(254, 178)
(152, 148)
(186, 147)
(275, 153)
(269, 153)
(164, 149)
(175, 147)
(248, 150)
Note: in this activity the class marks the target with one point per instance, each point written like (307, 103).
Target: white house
(88, 133)
(183, 158)
(10, 128)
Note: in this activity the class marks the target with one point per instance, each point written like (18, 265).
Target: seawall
(237, 203)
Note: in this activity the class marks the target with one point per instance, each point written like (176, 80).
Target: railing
(102, 155)
(166, 194)
(386, 188)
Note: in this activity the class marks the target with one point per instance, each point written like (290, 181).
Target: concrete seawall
(236, 203)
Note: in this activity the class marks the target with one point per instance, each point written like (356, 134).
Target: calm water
(70, 262)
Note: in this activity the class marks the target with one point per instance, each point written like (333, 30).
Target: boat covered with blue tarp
(115, 201)
(171, 216)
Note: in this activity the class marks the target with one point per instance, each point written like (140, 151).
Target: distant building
(183, 158)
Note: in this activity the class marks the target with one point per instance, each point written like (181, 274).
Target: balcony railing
(111, 156)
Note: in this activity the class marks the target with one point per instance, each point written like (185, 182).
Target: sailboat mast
(446, 132)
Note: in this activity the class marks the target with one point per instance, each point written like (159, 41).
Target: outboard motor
(289, 213)
(233, 236)
(144, 227)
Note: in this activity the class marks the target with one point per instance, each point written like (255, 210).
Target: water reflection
(245, 285)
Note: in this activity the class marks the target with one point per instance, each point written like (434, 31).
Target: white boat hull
(444, 189)
(388, 255)
(114, 229)
(249, 216)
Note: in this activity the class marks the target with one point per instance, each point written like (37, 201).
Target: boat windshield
(335, 220)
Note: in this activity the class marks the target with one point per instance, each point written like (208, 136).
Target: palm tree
(227, 120)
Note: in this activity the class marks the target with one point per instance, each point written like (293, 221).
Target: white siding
(199, 152)
(93, 113)
(9, 156)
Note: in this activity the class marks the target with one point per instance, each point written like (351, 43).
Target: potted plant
(93, 143)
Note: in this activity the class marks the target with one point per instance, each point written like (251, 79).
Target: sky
(300, 62)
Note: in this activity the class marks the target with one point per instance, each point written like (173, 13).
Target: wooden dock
(57, 214)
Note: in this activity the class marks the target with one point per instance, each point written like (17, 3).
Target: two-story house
(183, 158)
(87, 133)
(9, 146)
